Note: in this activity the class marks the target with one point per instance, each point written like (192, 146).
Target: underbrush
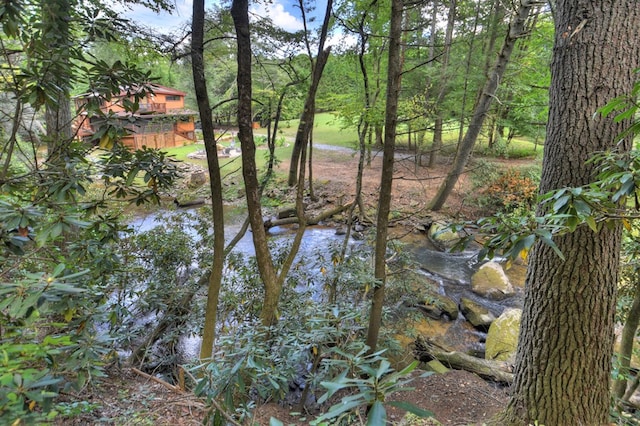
(504, 190)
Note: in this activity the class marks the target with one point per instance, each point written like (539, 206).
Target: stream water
(451, 271)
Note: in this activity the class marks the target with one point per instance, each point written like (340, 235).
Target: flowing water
(450, 271)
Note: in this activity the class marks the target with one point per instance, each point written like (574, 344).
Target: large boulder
(197, 178)
(502, 338)
(479, 316)
(491, 282)
(441, 236)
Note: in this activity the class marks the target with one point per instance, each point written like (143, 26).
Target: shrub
(508, 190)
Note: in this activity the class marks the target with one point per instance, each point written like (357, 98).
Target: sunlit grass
(327, 129)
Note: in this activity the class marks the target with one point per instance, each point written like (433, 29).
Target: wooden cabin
(161, 120)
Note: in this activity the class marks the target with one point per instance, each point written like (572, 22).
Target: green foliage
(625, 108)
(373, 381)
(32, 361)
(254, 363)
(122, 166)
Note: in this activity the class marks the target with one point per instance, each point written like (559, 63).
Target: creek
(450, 274)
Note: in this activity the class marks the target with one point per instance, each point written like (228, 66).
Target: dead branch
(270, 223)
(495, 370)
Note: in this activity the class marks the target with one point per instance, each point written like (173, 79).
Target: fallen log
(189, 203)
(270, 223)
(499, 371)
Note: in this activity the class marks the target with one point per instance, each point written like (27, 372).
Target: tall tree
(240, 14)
(55, 52)
(215, 181)
(564, 353)
(437, 127)
(516, 28)
(272, 279)
(386, 180)
(306, 119)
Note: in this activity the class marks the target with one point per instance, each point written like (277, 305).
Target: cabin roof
(157, 89)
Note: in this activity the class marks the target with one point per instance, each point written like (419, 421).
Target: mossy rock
(490, 281)
(436, 305)
(441, 237)
(411, 419)
(479, 316)
(502, 338)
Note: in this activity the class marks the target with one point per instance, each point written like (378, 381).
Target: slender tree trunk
(386, 179)
(306, 119)
(436, 145)
(516, 29)
(215, 181)
(467, 72)
(57, 37)
(626, 344)
(272, 286)
(563, 361)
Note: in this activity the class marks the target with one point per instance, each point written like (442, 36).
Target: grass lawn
(228, 164)
(327, 129)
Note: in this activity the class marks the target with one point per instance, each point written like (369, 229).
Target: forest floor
(455, 398)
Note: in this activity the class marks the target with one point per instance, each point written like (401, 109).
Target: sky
(282, 12)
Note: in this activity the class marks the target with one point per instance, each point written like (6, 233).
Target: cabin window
(173, 97)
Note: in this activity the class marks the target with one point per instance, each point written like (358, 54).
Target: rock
(442, 238)
(436, 305)
(437, 367)
(198, 178)
(491, 282)
(479, 316)
(411, 419)
(287, 212)
(502, 339)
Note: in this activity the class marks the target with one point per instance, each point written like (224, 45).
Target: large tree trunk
(272, 286)
(516, 29)
(563, 361)
(386, 180)
(215, 181)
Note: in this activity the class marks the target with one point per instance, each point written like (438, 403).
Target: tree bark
(386, 180)
(306, 119)
(272, 286)
(215, 181)
(313, 220)
(436, 145)
(563, 361)
(516, 28)
(57, 37)
(626, 345)
(494, 370)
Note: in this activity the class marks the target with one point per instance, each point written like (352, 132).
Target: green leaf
(591, 222)
(340, 408)
(560, 203)
(58, 270)
(409, 368)
(406, 406)
(377, 415)
(275, 422)
(384, 368)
